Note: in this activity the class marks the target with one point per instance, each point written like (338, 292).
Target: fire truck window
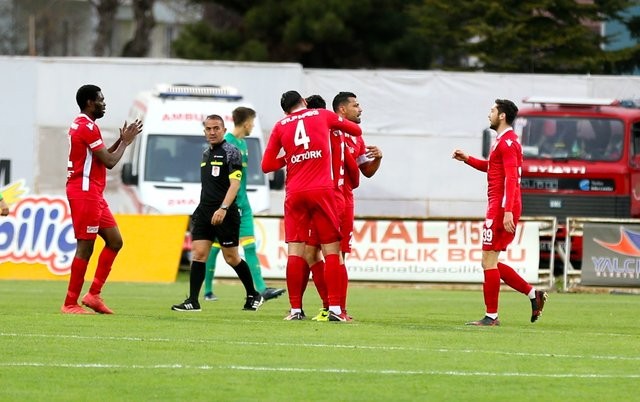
(636, 138)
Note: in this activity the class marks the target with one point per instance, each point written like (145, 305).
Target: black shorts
(227, 233)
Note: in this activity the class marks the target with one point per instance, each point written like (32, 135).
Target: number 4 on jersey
(301, 137)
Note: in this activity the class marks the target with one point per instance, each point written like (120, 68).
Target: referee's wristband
(225, 207)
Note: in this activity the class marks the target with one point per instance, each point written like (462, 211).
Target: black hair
(290, 99)
(316, 102)
(341, 98)
(214, 117)
(508, 108)
(85, 94)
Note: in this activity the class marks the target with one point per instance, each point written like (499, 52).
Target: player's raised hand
(128, 132)
(460, 155)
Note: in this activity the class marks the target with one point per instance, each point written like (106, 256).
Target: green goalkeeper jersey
(242, 199)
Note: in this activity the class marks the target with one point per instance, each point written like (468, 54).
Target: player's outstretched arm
(460, 155)
(270, 160)
(336, 122)
(476, 163)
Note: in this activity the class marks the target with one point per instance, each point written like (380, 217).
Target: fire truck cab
(581, 159)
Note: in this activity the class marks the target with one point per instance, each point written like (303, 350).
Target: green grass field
(407, 344)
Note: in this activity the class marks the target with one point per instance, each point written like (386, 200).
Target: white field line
(314, 370)
(323, 346)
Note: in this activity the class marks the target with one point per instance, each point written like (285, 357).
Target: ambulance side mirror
(127, 175)
(276, 181)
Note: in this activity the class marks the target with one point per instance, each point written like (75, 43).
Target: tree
(330, 33)
(443, 29)
(106, 20)
(627, 60)
(541, 36)
(140, 44)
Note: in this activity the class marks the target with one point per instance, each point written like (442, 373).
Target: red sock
(306, 273)
(333, 279)
(317, 270)
(491, 290)
(76, 280)
(345, 286)
(295, 272)
(511, 278)
(105, 262)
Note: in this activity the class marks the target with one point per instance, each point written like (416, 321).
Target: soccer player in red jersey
(89, 159)
(310, 196)
(356, 157)
(312, 248)
(504, 207)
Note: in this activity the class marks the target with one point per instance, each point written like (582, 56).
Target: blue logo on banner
(584, 185)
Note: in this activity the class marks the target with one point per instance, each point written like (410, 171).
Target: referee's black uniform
(219, 163)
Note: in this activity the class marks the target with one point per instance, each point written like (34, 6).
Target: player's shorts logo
(488, 222)
(92, 229)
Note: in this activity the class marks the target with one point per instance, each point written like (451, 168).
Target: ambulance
(161, 170)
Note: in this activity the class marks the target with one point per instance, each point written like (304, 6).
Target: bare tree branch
(106, 21)
(140, 44)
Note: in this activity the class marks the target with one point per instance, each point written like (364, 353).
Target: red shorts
(494, 236)
(314, 239)
(89, 216)
(304, 209)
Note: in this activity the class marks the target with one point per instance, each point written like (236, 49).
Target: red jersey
(304, 135)
(86, 174)
(504, 170)
(337, 159)
(356, 147)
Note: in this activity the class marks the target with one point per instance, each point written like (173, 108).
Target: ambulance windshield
(176, 159)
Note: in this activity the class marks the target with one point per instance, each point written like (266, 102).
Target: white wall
(419, 117)
(416, 117)
(38, 101)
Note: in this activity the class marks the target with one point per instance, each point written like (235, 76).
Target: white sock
(335, 309)
(493, 316)
(532, 293)
(296, 310)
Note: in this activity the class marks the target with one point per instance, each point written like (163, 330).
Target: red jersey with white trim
(86, 174)
(356, 147)
(505, 156)
(337, 158)
(304, 135)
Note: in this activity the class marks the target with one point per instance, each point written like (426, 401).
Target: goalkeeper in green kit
(243, 120)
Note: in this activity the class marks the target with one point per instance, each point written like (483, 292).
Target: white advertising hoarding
(406, 250)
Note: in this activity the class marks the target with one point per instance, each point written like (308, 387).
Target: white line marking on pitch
(323, 345)
(314, 370)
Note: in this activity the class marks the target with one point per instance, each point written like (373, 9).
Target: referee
(217, 217)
